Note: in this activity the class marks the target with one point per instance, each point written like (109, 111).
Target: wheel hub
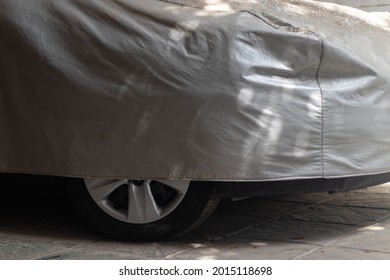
(137, 201)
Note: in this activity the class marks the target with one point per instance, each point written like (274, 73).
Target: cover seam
(322, 106)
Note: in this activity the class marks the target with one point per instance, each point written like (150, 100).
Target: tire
(143, 210)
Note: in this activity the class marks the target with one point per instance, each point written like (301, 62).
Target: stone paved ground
(366, 5)
(38, 222)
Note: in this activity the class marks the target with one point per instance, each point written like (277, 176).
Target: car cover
(204, 90)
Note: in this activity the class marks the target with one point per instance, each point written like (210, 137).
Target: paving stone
(220, 225)
(337, 253)
(10, 225)
(308, 198)
(340, 214)
(111, 249)
(42, 224)
(369, 238)
(297, 231)
(95, 254)
(372, 200)
(245, 249)
(383, 224)
(41, 241)
(259, 207)
(384, 189)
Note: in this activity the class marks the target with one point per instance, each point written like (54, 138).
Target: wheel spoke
(180, 186)
(101, 189)
(142, 206)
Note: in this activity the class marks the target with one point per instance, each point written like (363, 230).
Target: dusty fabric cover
(225, 90)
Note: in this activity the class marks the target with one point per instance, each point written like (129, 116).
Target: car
(152, 111)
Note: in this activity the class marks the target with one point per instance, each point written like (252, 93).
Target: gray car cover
(250, 90)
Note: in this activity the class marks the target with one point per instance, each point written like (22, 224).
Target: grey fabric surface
(226, 90)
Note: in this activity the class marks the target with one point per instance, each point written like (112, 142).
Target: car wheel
(143, 210)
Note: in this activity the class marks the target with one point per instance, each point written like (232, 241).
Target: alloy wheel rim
(135, 201)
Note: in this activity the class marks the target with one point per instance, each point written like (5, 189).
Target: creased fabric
(221, 90)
